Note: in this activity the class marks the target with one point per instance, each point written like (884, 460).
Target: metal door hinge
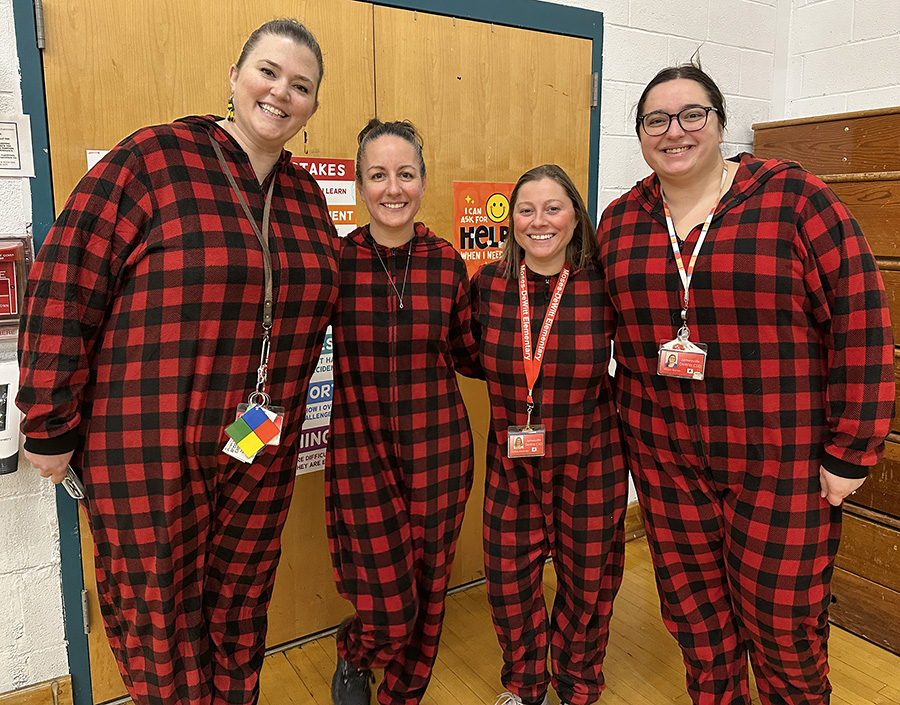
(595, 89)
(39, 23)
(85, 616)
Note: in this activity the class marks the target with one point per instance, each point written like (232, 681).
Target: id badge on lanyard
(680, 357)
(528, 441)
(257, 423)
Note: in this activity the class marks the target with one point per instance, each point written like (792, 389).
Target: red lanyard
(533, 362)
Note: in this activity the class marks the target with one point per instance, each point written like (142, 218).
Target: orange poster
(481, 220)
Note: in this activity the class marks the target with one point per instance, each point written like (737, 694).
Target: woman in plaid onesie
(569, 501)
(741, 473)
(400, 459)
(143, 333)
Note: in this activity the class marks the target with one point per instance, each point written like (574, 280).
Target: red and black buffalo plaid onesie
(788, 298)
(141, 336)
(400, 461)
(569, 504)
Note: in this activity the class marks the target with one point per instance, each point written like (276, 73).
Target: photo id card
(679, 358)
(525, 441)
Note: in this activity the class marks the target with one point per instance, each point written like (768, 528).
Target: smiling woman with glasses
(760, 283)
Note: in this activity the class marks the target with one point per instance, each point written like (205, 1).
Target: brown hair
(375, 128)
(289, 29)
(583, 244)
(693, 72)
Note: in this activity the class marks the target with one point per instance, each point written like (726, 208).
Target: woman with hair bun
(400, 459)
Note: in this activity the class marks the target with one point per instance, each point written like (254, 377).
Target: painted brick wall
(844, 55)
(643, 36)
(32, 646)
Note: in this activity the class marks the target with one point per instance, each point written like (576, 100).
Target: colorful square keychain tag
(254, 428)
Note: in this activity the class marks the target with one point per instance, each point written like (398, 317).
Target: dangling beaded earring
(229, 114)
(305, 146)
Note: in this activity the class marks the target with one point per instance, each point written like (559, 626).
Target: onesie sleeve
(848, 300)
(463, 344)
(72, 283)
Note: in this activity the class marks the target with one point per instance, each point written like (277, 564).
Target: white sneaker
(508, 698)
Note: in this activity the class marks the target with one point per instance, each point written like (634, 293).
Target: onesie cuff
(58, 445)
(844, 469)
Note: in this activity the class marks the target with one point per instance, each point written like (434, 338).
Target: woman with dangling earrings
(400, 461)
(193, 270)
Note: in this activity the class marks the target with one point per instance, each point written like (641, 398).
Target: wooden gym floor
(643, 665)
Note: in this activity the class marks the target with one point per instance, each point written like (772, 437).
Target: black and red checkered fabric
(141, 336)
(788, 298)
(400, 461)
(569, 504)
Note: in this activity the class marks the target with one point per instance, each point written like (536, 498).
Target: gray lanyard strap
(259, 396)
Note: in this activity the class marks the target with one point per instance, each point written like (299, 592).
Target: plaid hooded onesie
(788, 298)
(141, 335)
(400, 461)
(569, 504)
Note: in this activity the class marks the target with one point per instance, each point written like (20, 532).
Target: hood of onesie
(752, 174)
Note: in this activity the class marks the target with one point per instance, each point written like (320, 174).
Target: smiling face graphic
(497, 207)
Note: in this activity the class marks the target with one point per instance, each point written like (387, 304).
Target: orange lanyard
(533, 361)
(673, 238)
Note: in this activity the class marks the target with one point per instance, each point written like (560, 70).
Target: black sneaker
(349, 685)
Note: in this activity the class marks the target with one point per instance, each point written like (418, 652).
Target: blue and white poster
(336, 179)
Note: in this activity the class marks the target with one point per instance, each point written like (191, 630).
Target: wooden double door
(491, 102)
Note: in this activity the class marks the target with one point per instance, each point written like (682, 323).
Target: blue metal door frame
(525, 14)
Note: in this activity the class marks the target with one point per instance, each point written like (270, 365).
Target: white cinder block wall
(32, 645)
(772, 58)
(844, 55)
(737, 46)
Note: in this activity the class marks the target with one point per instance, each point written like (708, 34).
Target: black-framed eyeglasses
(691, 119)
